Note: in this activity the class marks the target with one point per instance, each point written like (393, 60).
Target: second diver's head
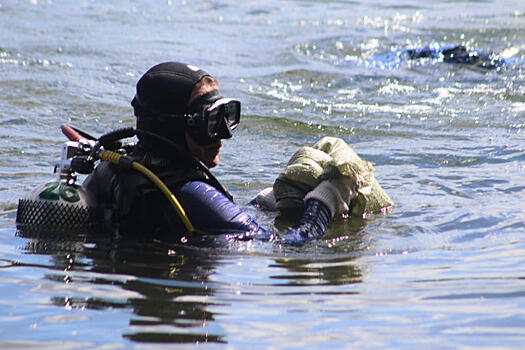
(182, 103)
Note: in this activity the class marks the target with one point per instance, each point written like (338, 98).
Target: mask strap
(208, 97)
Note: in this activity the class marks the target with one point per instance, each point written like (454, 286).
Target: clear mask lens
(224, 111)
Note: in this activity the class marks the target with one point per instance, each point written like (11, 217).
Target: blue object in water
(456, 54)
(450, 53)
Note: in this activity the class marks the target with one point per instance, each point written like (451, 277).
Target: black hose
(109, 140)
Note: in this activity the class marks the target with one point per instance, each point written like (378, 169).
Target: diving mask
(215, 118)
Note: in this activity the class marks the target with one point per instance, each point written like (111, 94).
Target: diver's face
(208, 154)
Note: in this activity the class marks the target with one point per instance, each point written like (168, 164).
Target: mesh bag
(329, 157)
(54, 215)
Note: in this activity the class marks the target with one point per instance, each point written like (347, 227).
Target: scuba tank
(60, 205)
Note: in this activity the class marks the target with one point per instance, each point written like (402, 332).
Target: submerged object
(458, 54)
(448, 53)
(328, 158)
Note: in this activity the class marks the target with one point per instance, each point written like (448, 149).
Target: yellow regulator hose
(117, 158)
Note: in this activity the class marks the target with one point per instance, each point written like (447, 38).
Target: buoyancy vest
(131, 204)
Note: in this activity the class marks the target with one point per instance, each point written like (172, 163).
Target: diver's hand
(335, 193)
(266, 199)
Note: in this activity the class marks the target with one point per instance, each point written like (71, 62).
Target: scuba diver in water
(182, 119)
(458, 54)
(448, 53)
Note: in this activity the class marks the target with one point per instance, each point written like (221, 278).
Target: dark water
(444, 270)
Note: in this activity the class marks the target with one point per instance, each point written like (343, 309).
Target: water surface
(444, 270)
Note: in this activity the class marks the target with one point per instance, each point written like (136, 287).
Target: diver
(458, 54)
(448, 53)
(183, 118)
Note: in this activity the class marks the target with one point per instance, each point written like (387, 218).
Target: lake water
(444, 270)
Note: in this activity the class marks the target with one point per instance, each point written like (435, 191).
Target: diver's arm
(211, 211)
(329, 198)
(313, 224)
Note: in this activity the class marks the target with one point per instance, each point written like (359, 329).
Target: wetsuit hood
(162, 98)
(166, 88)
